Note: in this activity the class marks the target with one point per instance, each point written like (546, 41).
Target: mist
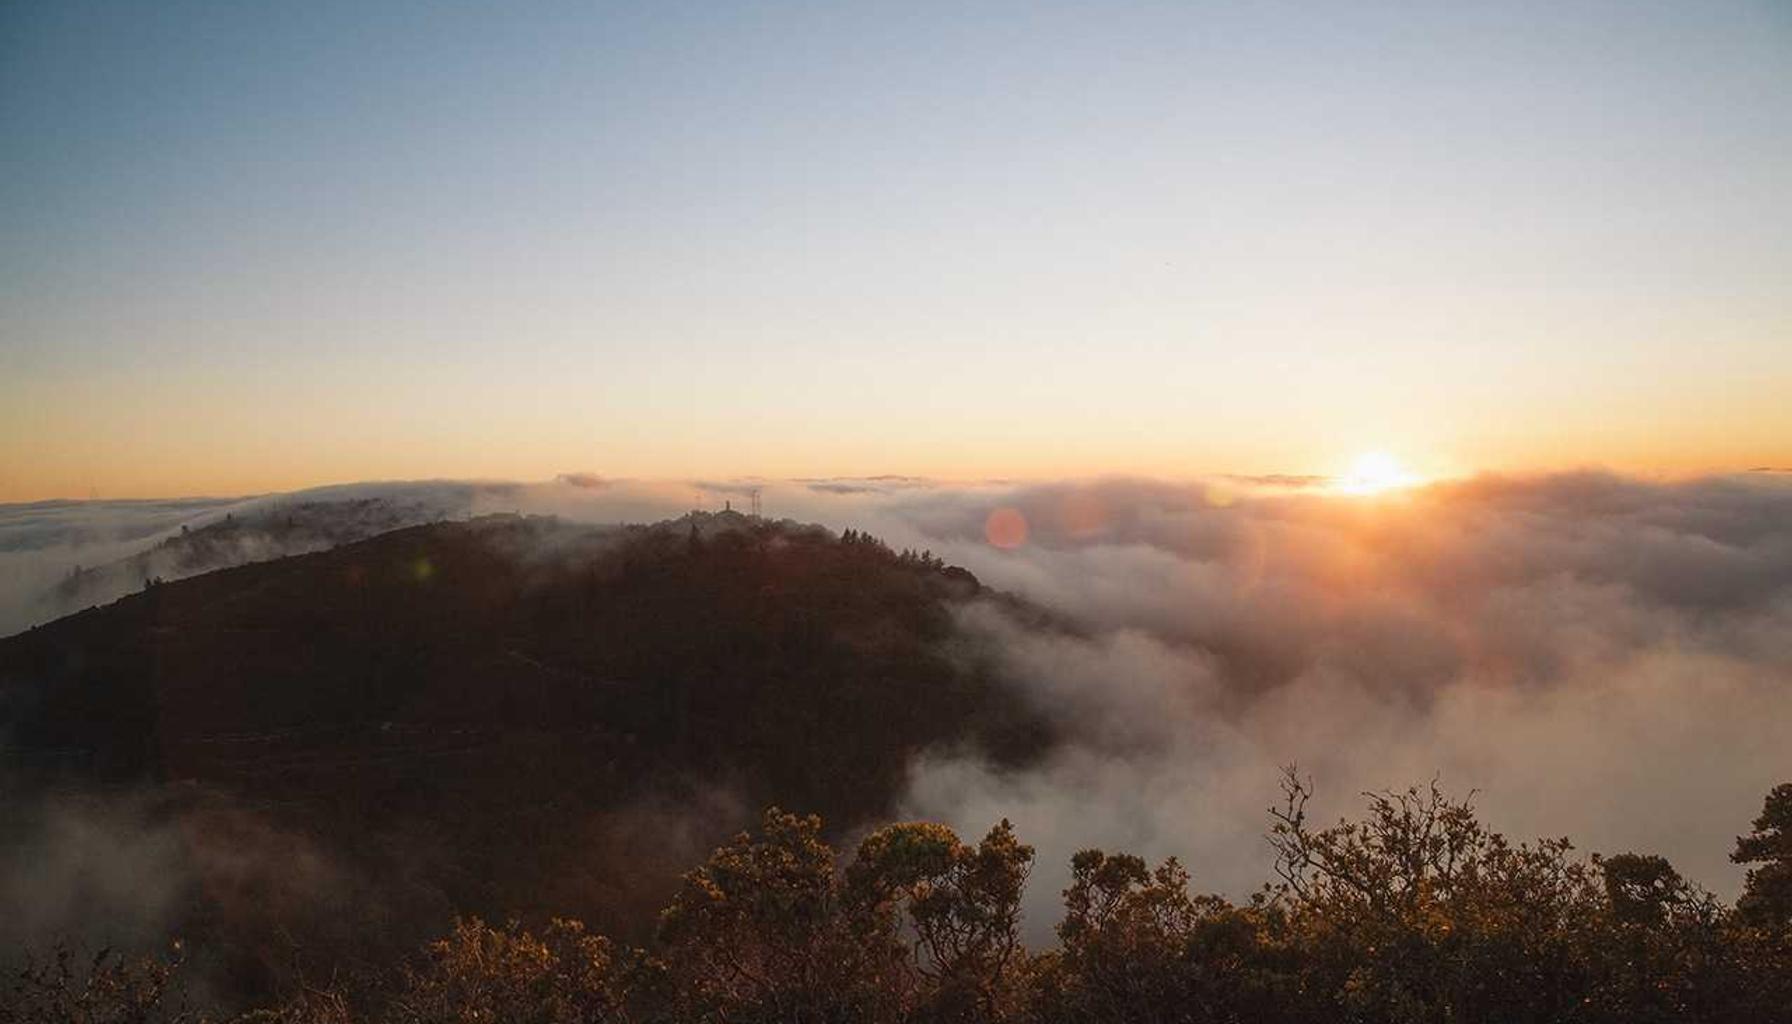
(1597, 656)
(1604, 658)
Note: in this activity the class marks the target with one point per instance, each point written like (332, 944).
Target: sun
(1375, 472)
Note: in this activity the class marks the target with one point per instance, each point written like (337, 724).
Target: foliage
(106, 988)
(484, 975)
(961, 903)
(1412, 912)
(1135, 945)
(762, 932)
(1767, 898)
(1417, 912)
(768, 929)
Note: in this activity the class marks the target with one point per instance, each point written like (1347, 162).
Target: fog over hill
(501, 715)
(1583, 649)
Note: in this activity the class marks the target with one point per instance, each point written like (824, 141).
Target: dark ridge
(507, 715)
(258, 533)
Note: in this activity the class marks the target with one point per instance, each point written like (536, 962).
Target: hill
(501, 716)
(222, 534)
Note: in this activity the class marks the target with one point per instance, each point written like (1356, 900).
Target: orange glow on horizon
(1377, 472)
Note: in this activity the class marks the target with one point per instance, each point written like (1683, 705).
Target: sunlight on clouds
(1377, 472)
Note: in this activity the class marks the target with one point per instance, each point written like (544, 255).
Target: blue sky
(249, 245)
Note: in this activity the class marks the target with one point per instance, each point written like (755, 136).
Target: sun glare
(1374, 473)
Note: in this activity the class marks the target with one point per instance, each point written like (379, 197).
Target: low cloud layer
(1600, 657)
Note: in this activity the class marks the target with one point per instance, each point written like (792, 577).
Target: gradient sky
(250, 246)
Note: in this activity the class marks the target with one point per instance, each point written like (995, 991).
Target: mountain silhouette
(509, 715)
(264, 529)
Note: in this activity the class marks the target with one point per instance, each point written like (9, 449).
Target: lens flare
(1006, 528)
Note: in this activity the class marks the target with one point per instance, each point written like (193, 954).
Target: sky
(250, 247)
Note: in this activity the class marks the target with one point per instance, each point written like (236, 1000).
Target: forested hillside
(508, 715)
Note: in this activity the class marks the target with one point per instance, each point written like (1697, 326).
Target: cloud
(886, 483)
(111, 871)
(128, 869)
(1599, 656)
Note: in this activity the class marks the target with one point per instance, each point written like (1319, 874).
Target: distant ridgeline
(501, 715)
(259, 532)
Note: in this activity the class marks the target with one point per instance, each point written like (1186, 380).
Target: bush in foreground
(1413, 912)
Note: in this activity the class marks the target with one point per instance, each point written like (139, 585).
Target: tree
(1134, 945)
(962, 904)
(511, 976)
(1417, 912)
(1767, 893)
(1642, 888)
(1121, 939)
(760, 933)
(1661, 954)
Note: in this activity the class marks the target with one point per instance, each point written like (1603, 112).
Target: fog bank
(1598, 656)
